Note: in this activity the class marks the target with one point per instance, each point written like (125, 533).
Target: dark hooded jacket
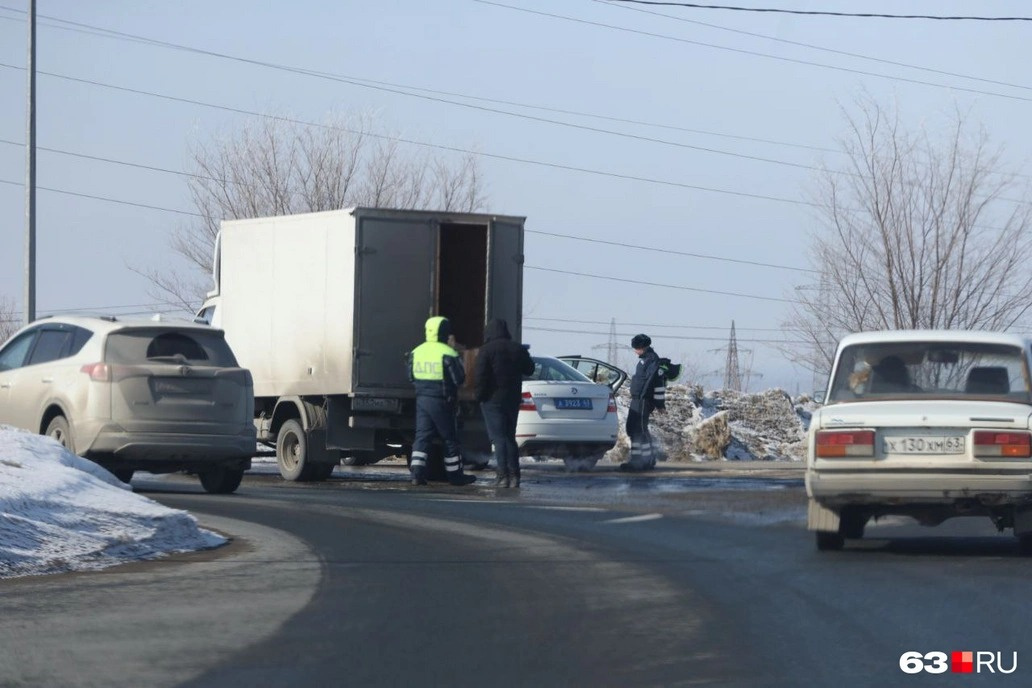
(648, 376)
(500, 366)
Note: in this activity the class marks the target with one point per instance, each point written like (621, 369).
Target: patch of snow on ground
(60, 512)
(764, 426)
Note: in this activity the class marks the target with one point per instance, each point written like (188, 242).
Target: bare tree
(916, 233)
(9, 321)
(277, 166)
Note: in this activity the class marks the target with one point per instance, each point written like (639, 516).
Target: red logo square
(962, 662)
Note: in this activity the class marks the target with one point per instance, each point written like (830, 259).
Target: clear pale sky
(719, 89)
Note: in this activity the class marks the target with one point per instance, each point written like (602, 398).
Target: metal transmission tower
(613, 351)
(732, 375)
(611, 348)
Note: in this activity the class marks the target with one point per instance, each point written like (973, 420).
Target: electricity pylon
(732, 375)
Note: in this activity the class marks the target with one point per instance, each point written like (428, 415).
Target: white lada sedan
(926, 424)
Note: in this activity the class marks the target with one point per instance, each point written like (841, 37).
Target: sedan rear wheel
(581, 463)
(828, 541)
(123, 474)
(852, 523)
(59, 430)
(221, 480)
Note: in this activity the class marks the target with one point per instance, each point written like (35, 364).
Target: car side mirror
(818, 396)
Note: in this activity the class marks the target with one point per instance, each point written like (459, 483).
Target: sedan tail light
(98, 372)
(993, 443)
(527, 403)
(837, 443)
(612, 405)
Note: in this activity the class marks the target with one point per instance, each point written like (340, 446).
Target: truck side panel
(287, 292)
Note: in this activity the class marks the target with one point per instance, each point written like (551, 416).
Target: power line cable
(453, 149)
(811, 46)
(394, 88)
(672, 251)
(529, 267)
(824, 13)
(104, 198)
(753, 52)
(665, 336)
(364, 83)
(661, 325)
(623, 120)
(660, 284)
(191, 175)
(665, 251)
(56, 311)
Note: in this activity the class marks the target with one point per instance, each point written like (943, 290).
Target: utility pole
(30, 173)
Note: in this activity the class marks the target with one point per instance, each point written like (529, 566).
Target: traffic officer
(648, 393)
(437, 373)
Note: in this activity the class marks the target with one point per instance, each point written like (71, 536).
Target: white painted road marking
(635, 519)
(570, 508)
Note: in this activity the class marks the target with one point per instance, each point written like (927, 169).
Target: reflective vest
(428, 360)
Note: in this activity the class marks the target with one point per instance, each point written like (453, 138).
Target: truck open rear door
(505, 297)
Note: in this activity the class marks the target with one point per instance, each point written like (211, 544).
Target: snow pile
(60, 512)
(720, 424)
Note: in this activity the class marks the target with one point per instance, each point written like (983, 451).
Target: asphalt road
(682, 577)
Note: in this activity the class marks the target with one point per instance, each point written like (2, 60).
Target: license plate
(175, 385)
(923, 445)
(573, 404)
(389, 405)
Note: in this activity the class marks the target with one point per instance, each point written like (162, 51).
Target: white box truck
(322, 308)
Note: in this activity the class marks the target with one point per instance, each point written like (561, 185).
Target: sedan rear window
(196, 347)
(555, 370)
(931, 370)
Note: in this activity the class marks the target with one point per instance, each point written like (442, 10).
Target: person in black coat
(499, 369)
(648, 394)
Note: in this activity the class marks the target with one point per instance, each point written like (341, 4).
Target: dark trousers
(500, 419)
(435, 418)
(638, 432)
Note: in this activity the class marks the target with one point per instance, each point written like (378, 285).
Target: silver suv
(133, 395)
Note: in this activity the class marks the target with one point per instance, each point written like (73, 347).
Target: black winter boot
(461, 479)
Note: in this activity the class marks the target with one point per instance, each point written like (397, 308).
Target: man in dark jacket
(499, 370)
(437, 373)
(648, 393)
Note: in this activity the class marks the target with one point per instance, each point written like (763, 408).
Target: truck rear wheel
(299, 457)
(292, 455)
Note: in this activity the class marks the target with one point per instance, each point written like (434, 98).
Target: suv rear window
(196, 347)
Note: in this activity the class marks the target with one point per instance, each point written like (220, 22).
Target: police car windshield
(554, 370)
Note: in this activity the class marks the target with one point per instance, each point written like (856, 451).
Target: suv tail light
(993, 443)
(612, 405)
(527, 403)
(98, 372)
(834, 443)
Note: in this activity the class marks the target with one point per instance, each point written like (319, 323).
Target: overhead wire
(453, 149)
(825, 13)
(811, 46)
(528, 267)
(753, 53)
